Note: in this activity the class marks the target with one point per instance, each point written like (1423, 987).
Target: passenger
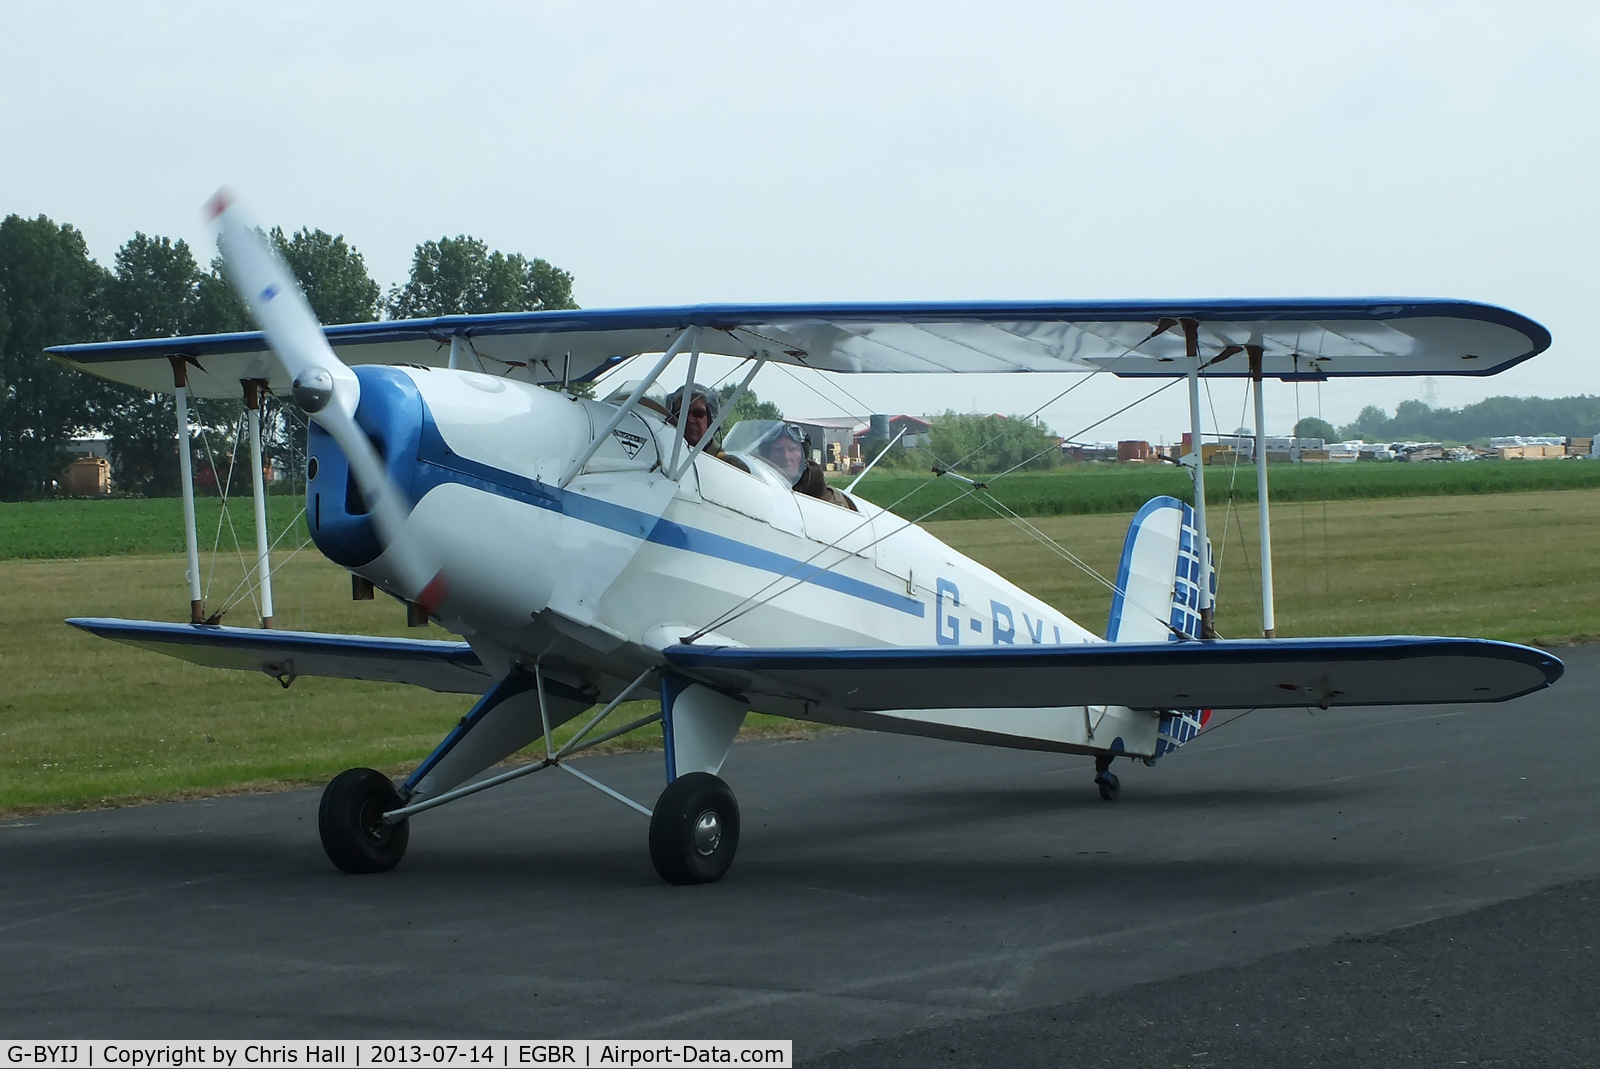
(785, 449)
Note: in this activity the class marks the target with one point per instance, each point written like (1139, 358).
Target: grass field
(85, 722)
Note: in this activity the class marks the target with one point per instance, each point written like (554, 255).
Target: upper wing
(1297, 338)
(450, 667)
(1234, 674)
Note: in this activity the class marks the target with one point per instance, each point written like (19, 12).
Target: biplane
(588, 552)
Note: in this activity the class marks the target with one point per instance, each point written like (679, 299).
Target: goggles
(789, 431)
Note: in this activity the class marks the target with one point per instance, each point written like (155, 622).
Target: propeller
(324, 386)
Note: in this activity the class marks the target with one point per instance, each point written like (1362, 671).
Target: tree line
(1475, 424)
(1489, 418)
(974, 444)
(53, 293)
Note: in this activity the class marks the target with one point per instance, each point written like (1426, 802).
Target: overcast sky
(669, 154)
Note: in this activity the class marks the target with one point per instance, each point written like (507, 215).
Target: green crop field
(42, 530)
(85, 722)
(104, 527)
(1089, 489)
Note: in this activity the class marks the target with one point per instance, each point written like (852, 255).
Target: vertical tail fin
(1158, 597)
(1158, 580)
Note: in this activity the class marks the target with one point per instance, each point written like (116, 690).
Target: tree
(461, 275)
(50, 294)
(155, 289)
(1312, 427)
(332, 274)
(1490, 417)
(900, 456)
(991, 443)
(1371, 425)
(749, 407)
(154, 293)
(218, 309)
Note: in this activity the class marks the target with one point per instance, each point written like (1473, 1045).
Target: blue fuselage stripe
(437, 465)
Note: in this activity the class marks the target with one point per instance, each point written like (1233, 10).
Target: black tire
(1109, 786)
(694, 831)
(350, 820)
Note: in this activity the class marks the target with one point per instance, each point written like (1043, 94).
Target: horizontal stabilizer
(450, 667)
(1237, 674)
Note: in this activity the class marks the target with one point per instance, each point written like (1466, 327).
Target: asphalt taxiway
(1388, 885)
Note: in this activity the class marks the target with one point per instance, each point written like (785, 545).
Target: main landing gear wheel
(350, 819)
(694, 830)
(1106, 779)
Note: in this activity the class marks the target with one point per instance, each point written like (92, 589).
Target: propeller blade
(324, 386)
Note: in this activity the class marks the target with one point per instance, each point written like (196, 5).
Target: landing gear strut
(1106, 779)
(694, 830)
(354, 833)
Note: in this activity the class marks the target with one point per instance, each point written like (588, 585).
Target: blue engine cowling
(391, 414)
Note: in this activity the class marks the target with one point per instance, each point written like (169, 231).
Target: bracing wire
(250, 584)
(1233, 479)
(755, 601)
(224, 515)
(762, 597)
(1080, 380)
(996, 505)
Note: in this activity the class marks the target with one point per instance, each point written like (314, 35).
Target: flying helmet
(705, 393)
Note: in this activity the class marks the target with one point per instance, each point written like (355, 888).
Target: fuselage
(594, 578)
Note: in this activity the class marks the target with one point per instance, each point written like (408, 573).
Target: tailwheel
(694, 830)
(354, 833)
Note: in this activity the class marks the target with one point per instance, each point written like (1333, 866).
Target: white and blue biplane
(588, 554)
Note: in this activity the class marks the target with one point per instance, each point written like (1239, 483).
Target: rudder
(1157, 598)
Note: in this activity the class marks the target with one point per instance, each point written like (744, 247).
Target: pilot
(704, 404)
(703, 407)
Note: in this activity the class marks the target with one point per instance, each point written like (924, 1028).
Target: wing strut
(1269, 623)
(255, 401)
(462, 355)
(683, 409)
(690, 334)
(716, 424)
(1191, 337)
(191, 537)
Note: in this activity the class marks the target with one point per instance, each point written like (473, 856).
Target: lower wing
(1233, 674)
(450, 667)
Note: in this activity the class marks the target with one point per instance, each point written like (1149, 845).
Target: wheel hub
(707, 833)
(372, 822)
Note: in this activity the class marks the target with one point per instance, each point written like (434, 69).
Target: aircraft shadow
(1063, 872)
(1076, 795)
